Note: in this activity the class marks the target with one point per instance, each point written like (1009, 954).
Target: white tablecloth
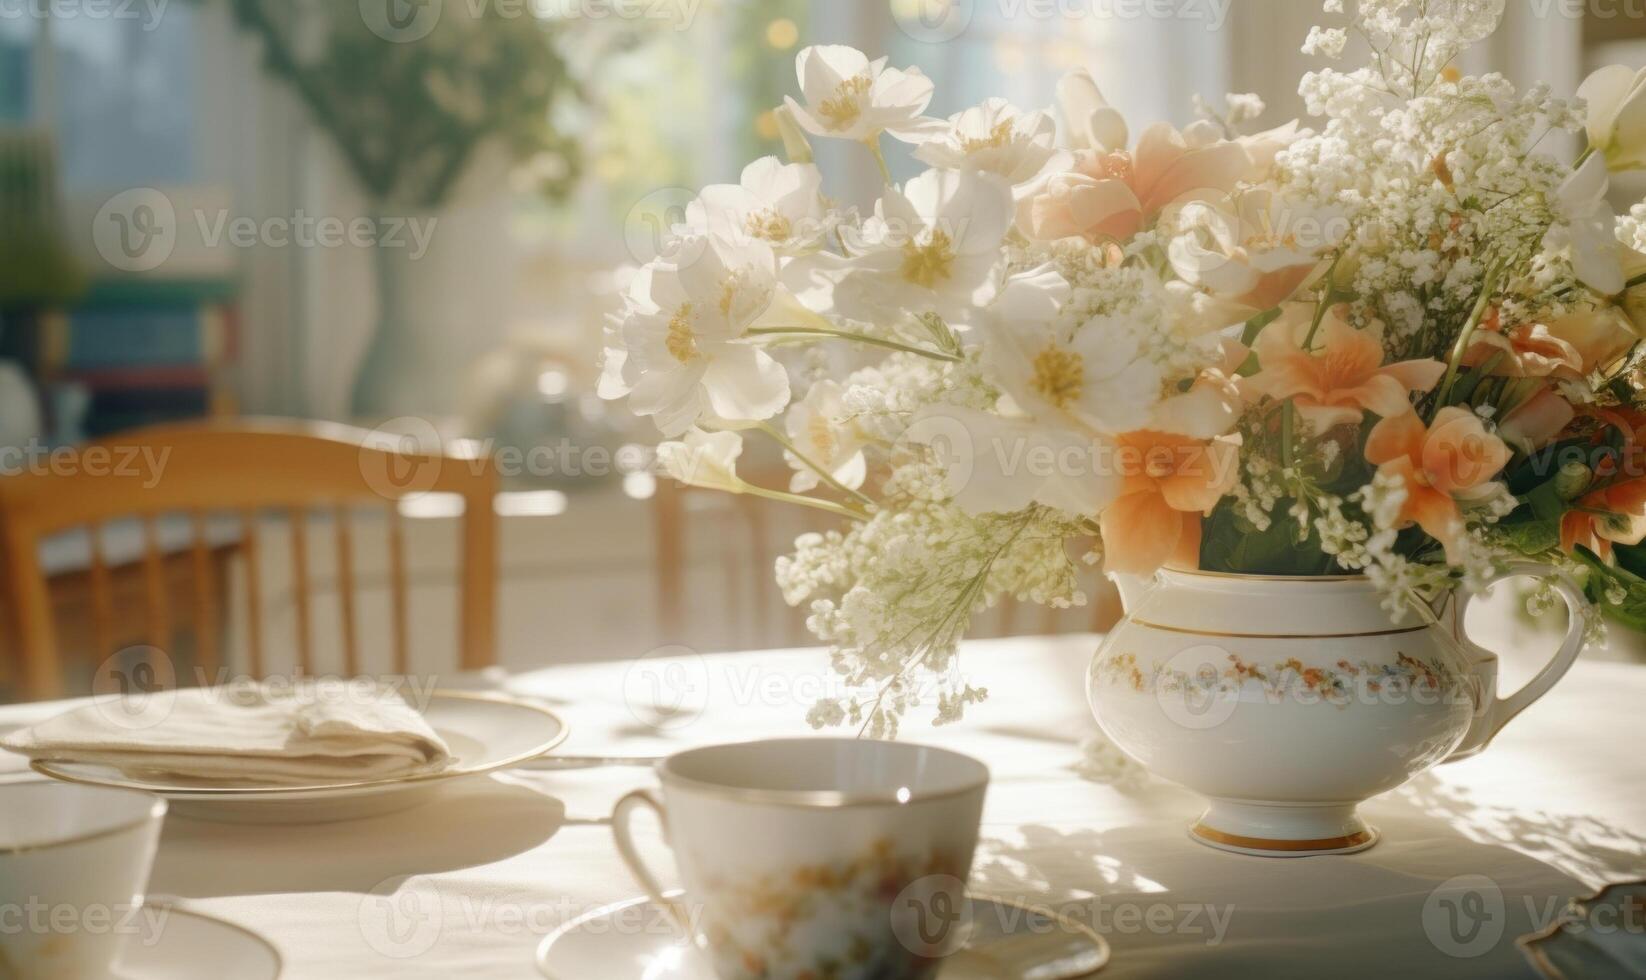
(1556, 807)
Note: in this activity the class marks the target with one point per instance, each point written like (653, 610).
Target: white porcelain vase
(1288, 701)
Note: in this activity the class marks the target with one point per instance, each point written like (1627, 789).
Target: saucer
(1603, 935)
(636, 940)
(485, 733)
(192, 946)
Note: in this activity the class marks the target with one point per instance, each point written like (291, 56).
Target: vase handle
(1493, 712)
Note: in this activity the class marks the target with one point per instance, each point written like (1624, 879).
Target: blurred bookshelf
(138, 352)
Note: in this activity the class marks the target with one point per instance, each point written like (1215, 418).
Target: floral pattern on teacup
(823, 921)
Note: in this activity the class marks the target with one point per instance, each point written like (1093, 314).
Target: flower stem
(1583, 157)
(855, 337)
(822, 473)
(827, 506)
(1288, 411)
(1487, 289)
(873, 143)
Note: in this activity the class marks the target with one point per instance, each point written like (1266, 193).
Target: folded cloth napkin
(274, 732)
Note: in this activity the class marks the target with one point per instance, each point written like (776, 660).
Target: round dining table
(469, 883)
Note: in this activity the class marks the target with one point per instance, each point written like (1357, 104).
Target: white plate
(485, 732)
(635, 940)
(191, 946)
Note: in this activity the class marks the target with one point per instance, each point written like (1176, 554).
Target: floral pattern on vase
(1288, 678)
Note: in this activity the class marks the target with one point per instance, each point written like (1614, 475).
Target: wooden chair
(243, 468)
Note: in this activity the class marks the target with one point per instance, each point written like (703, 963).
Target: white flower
(1092, 123)
(704, 459)
(682, 332)
(1617, 115)
(932, 247)
(1256, 250)
(776, 203)
(1588, 228)
(818, 426)
(613, 357)
(1096, 378)
(1328, 42)
(1244, 107)
(850, 97)
(995, 137)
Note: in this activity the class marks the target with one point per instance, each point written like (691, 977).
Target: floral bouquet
(1399, 338)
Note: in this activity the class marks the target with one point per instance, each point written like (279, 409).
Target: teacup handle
(622, 814)
(1495, 712)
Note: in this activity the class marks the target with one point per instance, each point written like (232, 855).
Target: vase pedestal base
(1283, 830)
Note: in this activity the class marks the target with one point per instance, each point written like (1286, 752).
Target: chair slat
(102, 595)
(299, 520)
(254, 592)
(154, 576)
(205, 639)
(345, 590)
(250, 468)
(397, 588)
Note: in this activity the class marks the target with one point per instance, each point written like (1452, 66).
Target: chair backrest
(245, 468)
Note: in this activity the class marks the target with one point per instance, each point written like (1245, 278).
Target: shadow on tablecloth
(1174, 908)
(473, 822)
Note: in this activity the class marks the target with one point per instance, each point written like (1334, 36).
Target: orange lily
(1437, 464)
(1624, 520)
(1108, 193)
(1525, 350)
(1537, 421)
(1341, 381)
(1169, 483)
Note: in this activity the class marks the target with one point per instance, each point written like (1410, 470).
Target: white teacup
(842, 858)
(74, 864)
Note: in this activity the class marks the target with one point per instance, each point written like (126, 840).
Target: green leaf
(1631, 558)
(1255, 326)
(1231, 544)
(1631, 612)
(1532, 537)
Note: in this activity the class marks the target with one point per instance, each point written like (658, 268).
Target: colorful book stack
(145, 351)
